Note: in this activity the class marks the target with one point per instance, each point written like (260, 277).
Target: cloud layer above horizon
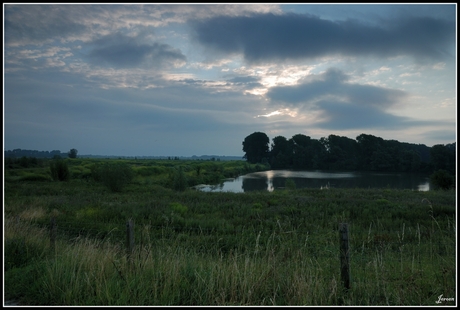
(184, 80)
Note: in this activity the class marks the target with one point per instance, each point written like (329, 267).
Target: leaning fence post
(53, 232)
(344, 255)
(130, 237)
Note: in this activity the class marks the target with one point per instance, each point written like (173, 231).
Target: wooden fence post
(129, 237)
(344, 255)
(53, 232)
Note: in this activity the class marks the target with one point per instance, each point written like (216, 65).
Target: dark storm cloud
(343, 116)
(334, 83)
(347, 116)
(343, 105)
(270, 37)
(123, 52)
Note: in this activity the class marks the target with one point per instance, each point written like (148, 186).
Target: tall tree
(443, 157)
(367, 146)
(340, 153)
(256, 147)
(281, 153)
(301, 156)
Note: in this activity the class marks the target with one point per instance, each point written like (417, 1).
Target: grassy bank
(196, 248)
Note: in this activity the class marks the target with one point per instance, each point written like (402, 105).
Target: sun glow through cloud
(287, 112)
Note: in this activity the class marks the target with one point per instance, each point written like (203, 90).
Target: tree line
(18, 153)
(33, 158)
(365, 153)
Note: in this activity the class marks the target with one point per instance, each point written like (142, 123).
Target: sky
(197, 79)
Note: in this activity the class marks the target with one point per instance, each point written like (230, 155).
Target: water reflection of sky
(275, 179)
(424, 187)
(300, 174)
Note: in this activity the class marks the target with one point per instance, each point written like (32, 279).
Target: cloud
(122, 51)
(341, 105)
(36, 24)
(244, 80)
(44, 23)
(334, 83)
(345, 116)
(128, 79)
(279, 37)
(441, 135)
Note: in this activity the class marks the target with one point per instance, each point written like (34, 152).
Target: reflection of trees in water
(302, 182)
(401, 181)
(368, 181)
(217, 187)
(255, 184)
(360, 180)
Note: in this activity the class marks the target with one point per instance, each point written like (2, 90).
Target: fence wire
(316, 242)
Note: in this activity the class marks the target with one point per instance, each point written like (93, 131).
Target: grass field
(197, 248)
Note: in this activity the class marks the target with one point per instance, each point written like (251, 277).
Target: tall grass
(271, 270)
(196, 248)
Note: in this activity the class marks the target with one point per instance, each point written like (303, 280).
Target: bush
(114, 175)
(59, 170)
(179, 208)
(441, 179)
(34, 177)
(290, 184)
(180, 180)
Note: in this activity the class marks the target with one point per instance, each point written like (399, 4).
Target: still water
(276, 179)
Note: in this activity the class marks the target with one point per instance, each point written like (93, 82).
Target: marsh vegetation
(205, 248)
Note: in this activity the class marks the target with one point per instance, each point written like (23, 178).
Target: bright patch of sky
(183, 80)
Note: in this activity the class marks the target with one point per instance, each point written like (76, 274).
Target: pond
(276, 179)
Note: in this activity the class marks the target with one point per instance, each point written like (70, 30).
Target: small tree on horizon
(73, 153)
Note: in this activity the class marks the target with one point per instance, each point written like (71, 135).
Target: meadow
(205, 248)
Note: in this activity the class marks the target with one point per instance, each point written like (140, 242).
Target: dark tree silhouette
(73, 153)
(256, 147)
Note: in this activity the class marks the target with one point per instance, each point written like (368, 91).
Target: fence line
(374, 237)
(345, 253)
(359, 241)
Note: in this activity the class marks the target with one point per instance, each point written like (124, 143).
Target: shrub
(95, 172)
(34, 177)
(59, 170)
(441, 179)
(114, 175)
(24, 162)
(179, 179)
(179, 208)
(290, 184)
